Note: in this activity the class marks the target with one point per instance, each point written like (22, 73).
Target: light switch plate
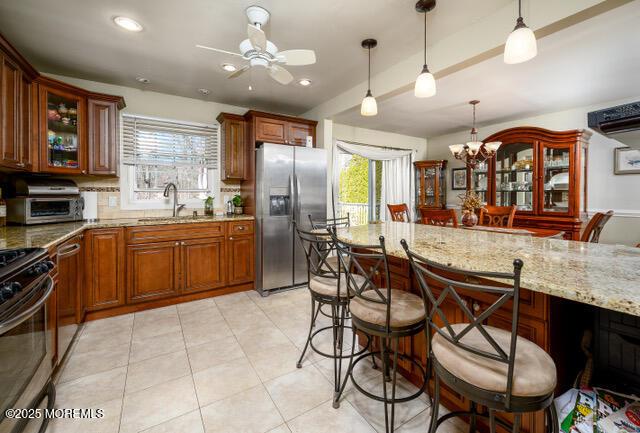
(113, 201)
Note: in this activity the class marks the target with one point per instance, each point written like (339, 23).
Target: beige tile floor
(225, 364)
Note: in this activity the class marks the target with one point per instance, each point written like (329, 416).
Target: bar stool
(327, 287)
(377, 310)
(489, 366)
(325, 224)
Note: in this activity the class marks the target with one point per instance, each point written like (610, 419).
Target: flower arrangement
(470, 201)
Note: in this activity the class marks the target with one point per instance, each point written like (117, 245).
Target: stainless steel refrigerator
(291, 184)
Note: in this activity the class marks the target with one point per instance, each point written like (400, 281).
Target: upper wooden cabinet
(78, 130)
(540, 171)
(431, 188)
(233, 146)
(16, 91)
(273, 128)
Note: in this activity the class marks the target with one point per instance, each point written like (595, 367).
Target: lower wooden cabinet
(105, 268)
(240, 253)
(153, 271)
(203, 264)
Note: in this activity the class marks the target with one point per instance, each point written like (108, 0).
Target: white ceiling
(78, 38)
(592, 62)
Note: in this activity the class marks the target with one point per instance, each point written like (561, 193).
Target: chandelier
(474, 152)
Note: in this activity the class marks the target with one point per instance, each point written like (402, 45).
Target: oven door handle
(62, 252)
(24, 315)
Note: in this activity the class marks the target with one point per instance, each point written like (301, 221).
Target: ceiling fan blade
(239, 72)
(204, 47)
(297, 57)
(280, 74)
(257, 37)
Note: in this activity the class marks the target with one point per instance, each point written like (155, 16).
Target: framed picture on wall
(458, 178)
(626, 160)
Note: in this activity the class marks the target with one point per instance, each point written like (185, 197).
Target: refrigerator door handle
(298, 199)
(293, 199)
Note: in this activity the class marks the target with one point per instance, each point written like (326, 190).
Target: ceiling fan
(261, 52)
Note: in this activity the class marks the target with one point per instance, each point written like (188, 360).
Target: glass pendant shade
(456, 148)
(474, 146)
(369, 105)
(493, 145)
(521, 44)
(425, 84)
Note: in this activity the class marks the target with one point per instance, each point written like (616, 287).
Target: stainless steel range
(43, 200)
(26, 334)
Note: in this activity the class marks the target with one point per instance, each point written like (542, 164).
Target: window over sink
(158, 151)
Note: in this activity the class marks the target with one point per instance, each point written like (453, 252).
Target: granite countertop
(46, 235)
(602, 275)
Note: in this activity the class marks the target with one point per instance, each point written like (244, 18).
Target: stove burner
(9, 256)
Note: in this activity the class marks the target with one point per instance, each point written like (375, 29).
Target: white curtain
(397, 173)
(397, 185)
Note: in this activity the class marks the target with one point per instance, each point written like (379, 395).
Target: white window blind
(163, 151)
(162, 142)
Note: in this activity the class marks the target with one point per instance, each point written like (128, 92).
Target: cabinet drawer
(173, 232)
(240, 228)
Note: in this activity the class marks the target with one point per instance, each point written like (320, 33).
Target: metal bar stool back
(491, 367)
(324, 223)
(378, 310)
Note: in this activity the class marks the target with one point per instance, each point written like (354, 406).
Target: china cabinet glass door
(556, 178)
(64, 116)
(431, 186)
(515, 174)
(480, 181)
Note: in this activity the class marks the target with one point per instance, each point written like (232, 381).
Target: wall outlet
(113, 201)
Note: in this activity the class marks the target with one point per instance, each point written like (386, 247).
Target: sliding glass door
(359, 189)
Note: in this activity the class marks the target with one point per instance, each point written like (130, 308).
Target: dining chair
(489, 366)
(497, 216)
(399, 212)
(439, 217)
(594, 227)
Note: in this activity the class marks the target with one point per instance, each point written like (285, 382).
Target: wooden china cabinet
(431, 185)
(542, 172)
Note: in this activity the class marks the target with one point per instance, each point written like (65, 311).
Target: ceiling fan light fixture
(305, 82)
(425, 86)
(204, 91)
(128, 24)
(369, 106)
(229, 67)
(521, 44)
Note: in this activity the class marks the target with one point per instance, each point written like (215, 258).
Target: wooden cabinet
(70, 266)
(153, 271)
(105, 268)
(271, 130)
(297, 133)
(540, 171)
(233, 146)
(240, 256)
(203, 264)
(103, 135)
(431, 187)
(10, 81)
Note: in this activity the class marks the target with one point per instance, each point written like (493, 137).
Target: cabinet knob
(177, 243)
(182, 243)
(230, 238)
(476, 307)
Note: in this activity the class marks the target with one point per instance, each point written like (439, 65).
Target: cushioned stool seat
(327, 286)
(534, 370)
(406, 308)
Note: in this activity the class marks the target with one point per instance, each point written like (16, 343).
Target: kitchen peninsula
(556, 274)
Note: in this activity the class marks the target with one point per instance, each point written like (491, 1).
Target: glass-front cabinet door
(431, 185)
(480, 181)
(557, 172)
(515, 174)
(62, 128)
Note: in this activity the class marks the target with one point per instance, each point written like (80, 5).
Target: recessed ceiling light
(128, 24)
(143, 80)
(250, 88)
(204, 91)
(229, 67)
(304, 82)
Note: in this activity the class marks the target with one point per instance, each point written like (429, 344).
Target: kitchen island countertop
(46, 235)
(601, 275)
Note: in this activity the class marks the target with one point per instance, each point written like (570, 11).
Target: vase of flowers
(470, 202)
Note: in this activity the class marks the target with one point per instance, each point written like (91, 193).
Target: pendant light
(369, 106)
(521, 44)
(425, 86)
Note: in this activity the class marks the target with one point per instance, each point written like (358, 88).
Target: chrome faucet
(176, 207)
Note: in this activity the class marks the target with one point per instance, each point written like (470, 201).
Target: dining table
(519, 231)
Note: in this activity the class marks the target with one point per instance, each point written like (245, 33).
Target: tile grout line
(126, 377)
